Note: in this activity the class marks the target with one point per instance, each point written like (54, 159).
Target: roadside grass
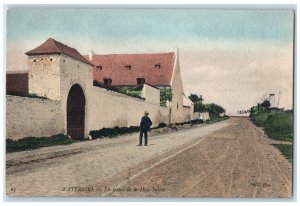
(260, 119)
(277, 125)
(31, 143)
(215, 118)
(286, 150)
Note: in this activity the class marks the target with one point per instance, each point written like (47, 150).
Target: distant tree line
(199, 106)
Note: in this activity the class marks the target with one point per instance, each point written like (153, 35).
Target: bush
(197, 121)
(112, 132)
(280, 126)
(165, 95)
(260, 119)
(31, 143)
(160, 125)
(130, 91)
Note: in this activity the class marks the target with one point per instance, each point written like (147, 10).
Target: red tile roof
(113, 66)
(51, 46)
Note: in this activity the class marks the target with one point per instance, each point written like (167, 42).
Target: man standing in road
(145, 127)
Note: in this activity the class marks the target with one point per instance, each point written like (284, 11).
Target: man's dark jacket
(145, 124)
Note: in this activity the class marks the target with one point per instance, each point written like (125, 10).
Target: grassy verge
(286, 150)
(215, 118)
(278, 125)
(31, 143)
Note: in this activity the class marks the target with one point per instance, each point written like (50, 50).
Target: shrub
(112, 132)
(197, 121)
(161, 125)
(127, 91)
(279, 126)
(30, 143)
(165, 95)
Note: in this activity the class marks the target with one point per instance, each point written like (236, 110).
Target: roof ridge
(51, 46)
(55, 44)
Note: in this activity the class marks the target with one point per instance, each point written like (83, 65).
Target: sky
(234, 58)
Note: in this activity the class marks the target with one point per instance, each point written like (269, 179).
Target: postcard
(172, 103)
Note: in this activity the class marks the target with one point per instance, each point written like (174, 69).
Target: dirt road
(232, 158)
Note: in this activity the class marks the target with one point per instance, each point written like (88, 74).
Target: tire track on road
(233, 168)
(122, 183)
(274, 166)
(183, 194)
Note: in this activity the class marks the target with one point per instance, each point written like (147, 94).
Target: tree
(266, 104)
(195, 98)
(217, 109)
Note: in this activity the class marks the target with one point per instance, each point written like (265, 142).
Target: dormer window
(140, 81)
(128, 67)
(107, 81)
(99, 67)
(157, 66)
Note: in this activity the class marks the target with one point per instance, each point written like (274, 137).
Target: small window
(177, 106)
(34, 60)
(107, 81)
(140, 81)
(157, 66)
(128, 67)
(99, 67)
(51, 59)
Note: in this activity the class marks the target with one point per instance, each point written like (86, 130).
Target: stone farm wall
(33, 117)
(187, 114)
(110, 109)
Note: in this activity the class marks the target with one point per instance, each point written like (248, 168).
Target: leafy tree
(200, 107)
(165, 94)
(195, 98)
(266, 104)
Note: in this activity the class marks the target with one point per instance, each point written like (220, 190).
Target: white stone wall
(110, 109)
(202, 115)
(44, 76)
(52, 76)
(151, 94)
(33, 117)
(73, 72)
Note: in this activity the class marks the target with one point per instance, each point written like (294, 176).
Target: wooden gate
(75, 112)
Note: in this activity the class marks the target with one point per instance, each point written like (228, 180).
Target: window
(177, 106)
(99, 67)
(128, 67)
(107, 81)
(140, 81)
(157, 66)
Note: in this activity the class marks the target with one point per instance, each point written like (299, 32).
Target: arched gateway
(76, 112)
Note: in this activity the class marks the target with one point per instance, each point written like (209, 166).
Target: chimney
(177, 51)
(91, 54)
(272, 100)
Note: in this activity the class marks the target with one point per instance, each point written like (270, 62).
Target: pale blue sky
(231, 57)
(101, 24)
